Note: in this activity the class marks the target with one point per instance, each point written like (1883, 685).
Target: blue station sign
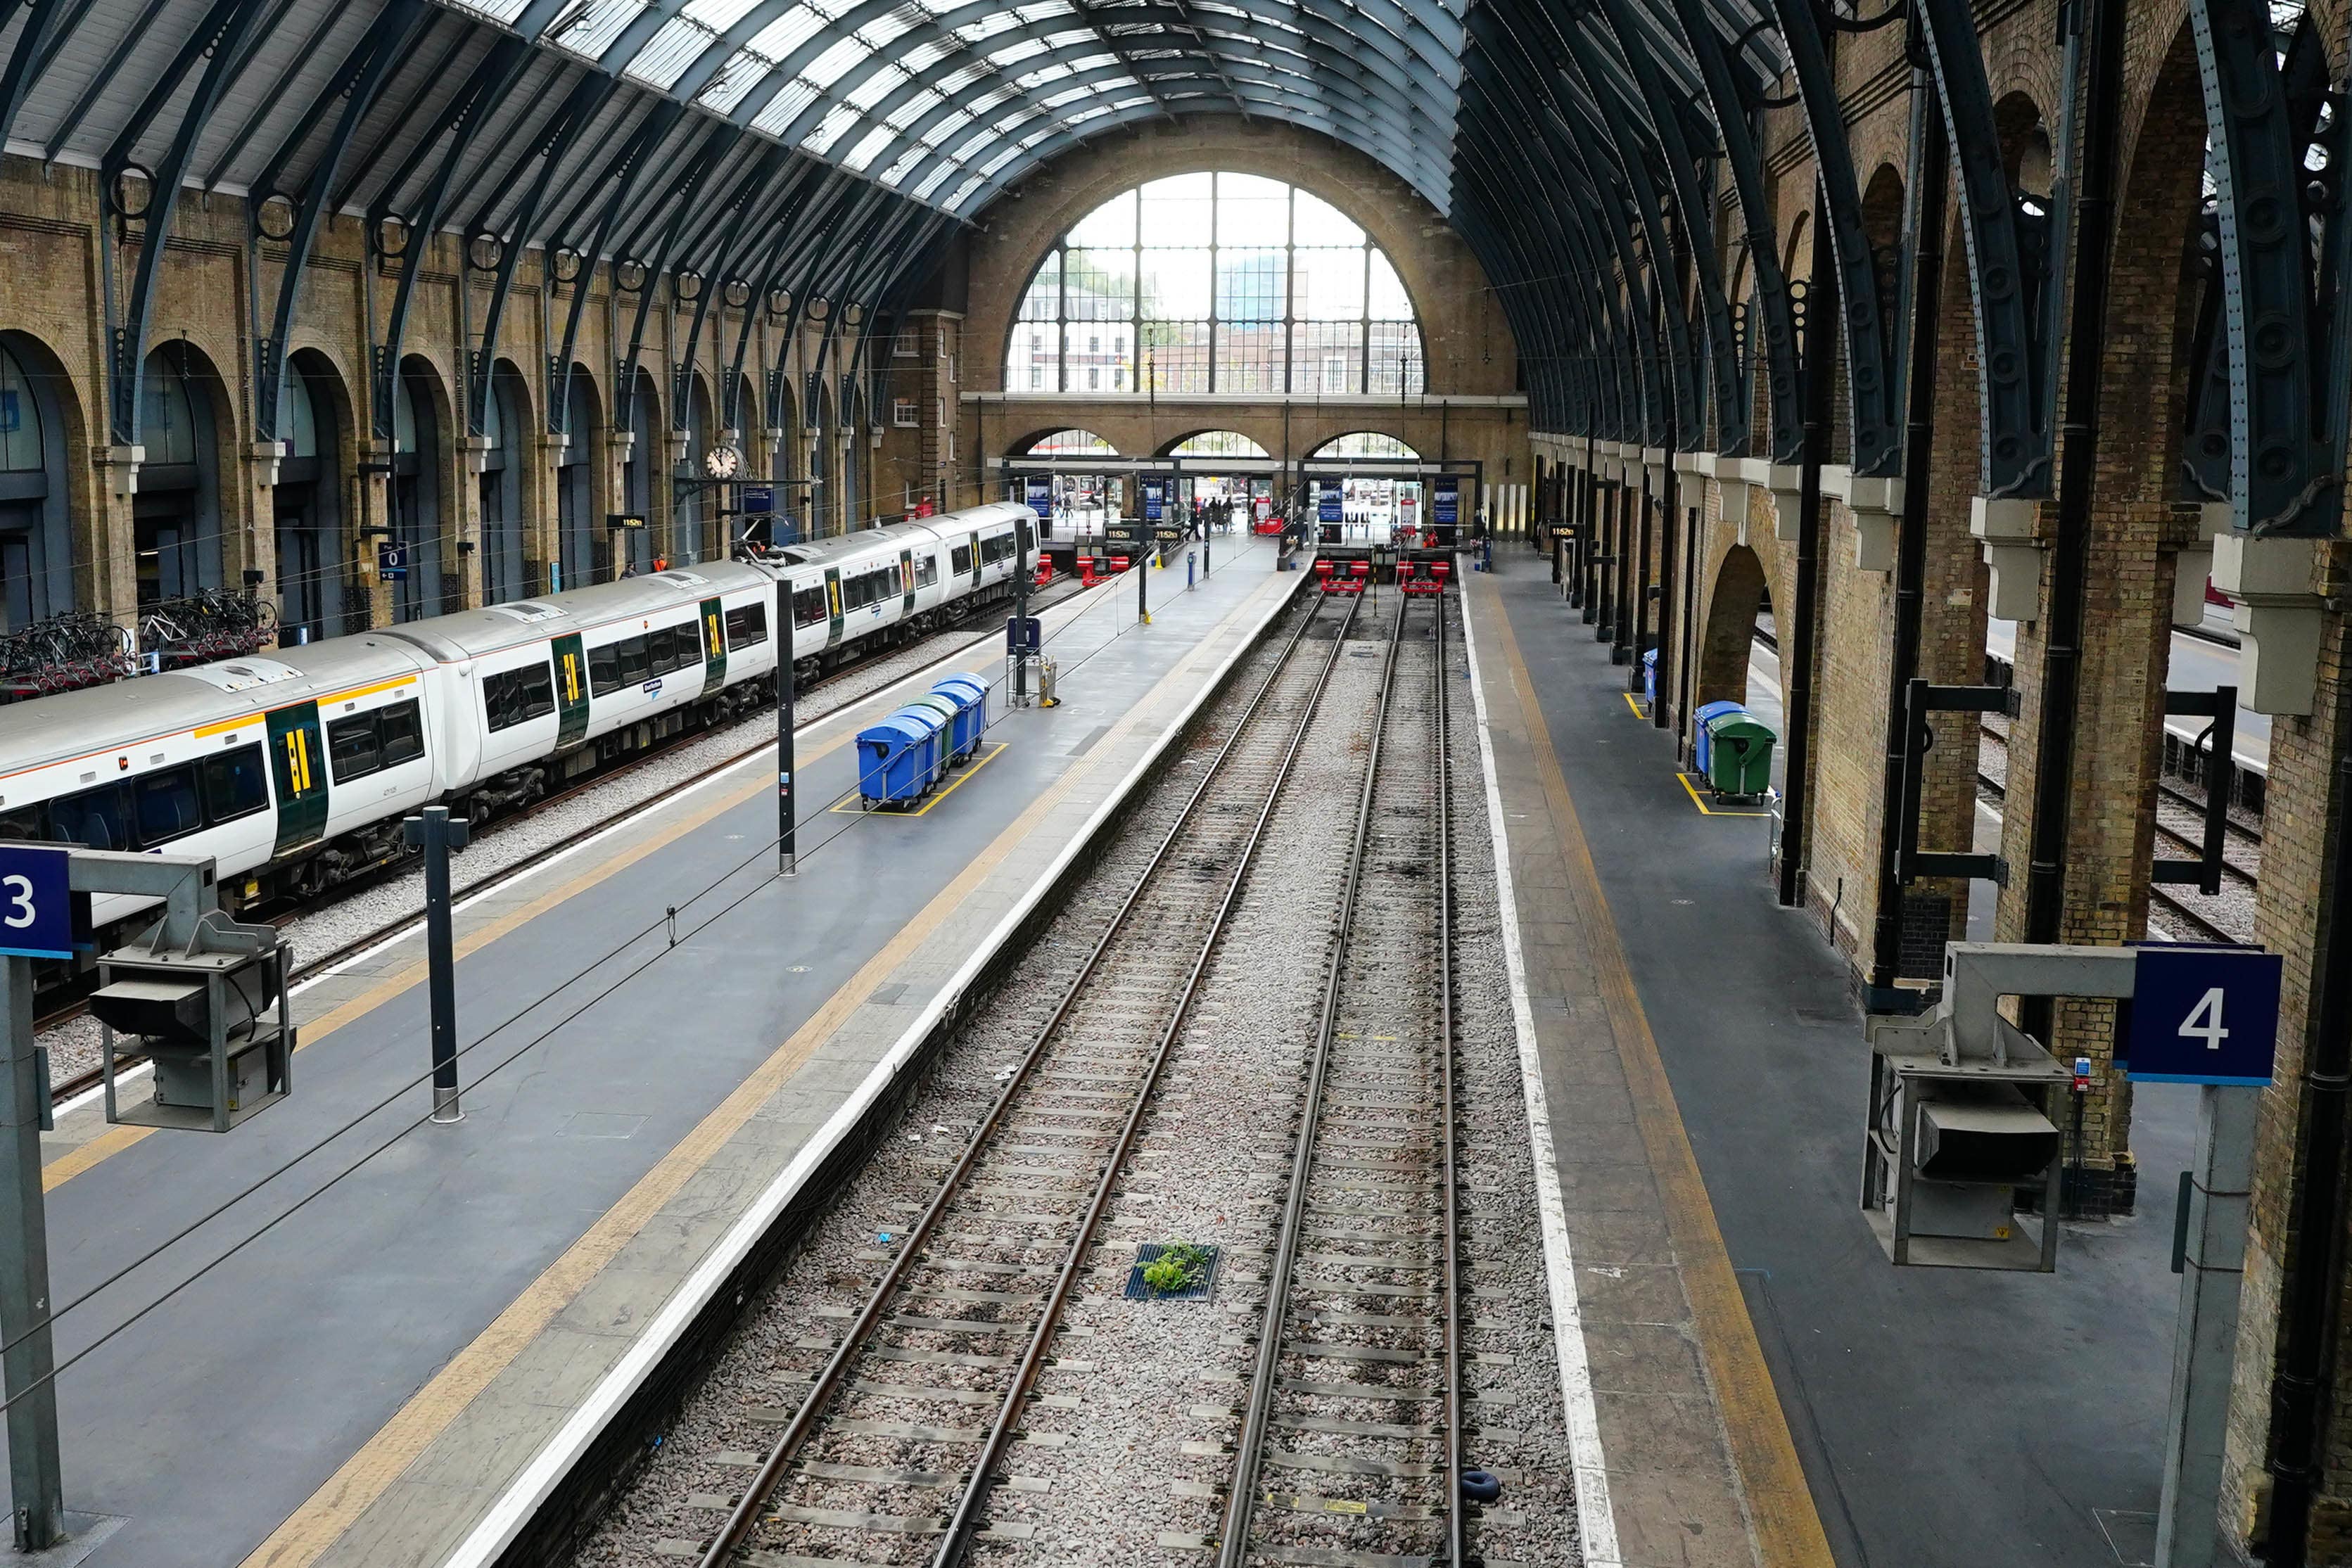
(36, 919)
(2204, 1015)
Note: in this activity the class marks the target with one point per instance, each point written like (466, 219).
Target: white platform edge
(1596, 1519)
(506, 1518)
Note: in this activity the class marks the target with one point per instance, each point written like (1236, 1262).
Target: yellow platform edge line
(311, 1530)
(1781, 1512)
(1704, 808)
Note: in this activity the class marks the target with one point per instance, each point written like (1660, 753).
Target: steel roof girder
(2015, 436)
(361, 80)
(1697, 204)
(1779, 347)
(223, 28)
(1874, 411)
(2283, 477)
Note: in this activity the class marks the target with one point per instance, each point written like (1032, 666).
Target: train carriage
(294, 769)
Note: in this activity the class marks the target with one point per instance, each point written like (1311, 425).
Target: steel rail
(1456, 1555)
(1241, 1497)
(965, 1522)
(830, 1379)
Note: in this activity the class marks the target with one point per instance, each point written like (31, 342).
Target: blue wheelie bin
(969, 694)
(1704, 750)
(1650, 676)
(900, 757)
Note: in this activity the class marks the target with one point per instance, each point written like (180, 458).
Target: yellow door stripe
(1787, 1526)
(337, 1505)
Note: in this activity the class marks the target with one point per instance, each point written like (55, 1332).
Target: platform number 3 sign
(2204, 1015)
(36, 902)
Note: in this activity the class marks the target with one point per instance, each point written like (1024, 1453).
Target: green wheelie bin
(1738, 754)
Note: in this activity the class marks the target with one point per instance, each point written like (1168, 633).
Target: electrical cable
(617, 950)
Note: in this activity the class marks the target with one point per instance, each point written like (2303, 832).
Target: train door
(571, 690)
(833, 606)
(299, 768)
(907, 582)
(976, 559)
(714, 645)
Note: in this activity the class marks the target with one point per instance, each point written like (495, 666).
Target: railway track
(900, 1437)
(82, 1081)
(1352, 1430)
(2237, 874)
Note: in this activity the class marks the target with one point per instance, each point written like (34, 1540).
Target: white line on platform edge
(507, 1516)
(1596, 1521)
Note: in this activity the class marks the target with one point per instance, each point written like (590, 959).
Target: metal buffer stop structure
(204, 998)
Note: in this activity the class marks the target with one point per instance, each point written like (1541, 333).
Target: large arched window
(1216, 283)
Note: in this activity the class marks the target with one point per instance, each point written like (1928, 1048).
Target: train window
(747, 625)
(165, 804)
(961, 560)
(402, 728)
(605, 669)
(686, 645)
(233, 784)
(96, 819)
(856, 592)
(635, 662)
(661, 652)
(28, 822)
(927, 571)
(353, 748)
(517, 696)
(808, 606)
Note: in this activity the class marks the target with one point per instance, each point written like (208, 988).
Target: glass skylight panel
(504, 11)
(666, 56)
(1003, 93)
(937, 136)
(836, 124)
(1013, 53)
(719, 15)
(926, 54)
(600, 22)
(904, 116)
(786, 107)
(828, 67)
(877, 86)
(934, 181)
(869, 147)
(1082, 116)
(788, 32)
(1037, 75)
(897, 173)
(1066, 95)
(743, 72)
(988, 26)
(962, 194)
(884, 31)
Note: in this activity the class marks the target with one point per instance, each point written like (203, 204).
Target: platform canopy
(830, 147)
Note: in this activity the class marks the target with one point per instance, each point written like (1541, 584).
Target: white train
(293, 770)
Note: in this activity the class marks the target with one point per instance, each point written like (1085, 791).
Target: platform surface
(1768, 1388)
(402, 1323)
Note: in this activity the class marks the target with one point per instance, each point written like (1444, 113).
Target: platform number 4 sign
(36, 902)
(2204, 1015)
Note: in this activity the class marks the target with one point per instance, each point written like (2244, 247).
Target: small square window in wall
(940, 411)
(902, 413)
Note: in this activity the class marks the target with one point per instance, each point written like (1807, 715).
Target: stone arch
(693, 516)
(1061, 440)
(1367, 435)
(580, 416)
(1733, 602)
(37, 574)
(313, 548)
(503, 488)
(587, 551)
(1234, 439)
(180, 518)
(424, 423)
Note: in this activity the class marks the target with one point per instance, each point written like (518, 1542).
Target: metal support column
(787, 824)
(2209, 1255)
(1639, 644)
(1805, 631)
(436, 833)
(36, 1489)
